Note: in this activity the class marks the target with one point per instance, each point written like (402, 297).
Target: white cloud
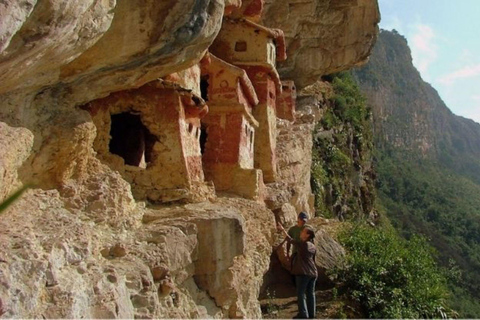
(464, 72)
(424, 49)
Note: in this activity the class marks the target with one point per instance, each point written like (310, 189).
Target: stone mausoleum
(151, 136)
(286, 101)
(229, 128)
(256, 49)
(213, 124)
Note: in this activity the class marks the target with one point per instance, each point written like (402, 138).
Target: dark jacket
(304, 260)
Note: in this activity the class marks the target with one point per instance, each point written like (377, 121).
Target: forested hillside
(387, 277)
(428, 165)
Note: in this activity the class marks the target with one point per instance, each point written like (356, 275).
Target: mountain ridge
(421, 121)
(427, 163)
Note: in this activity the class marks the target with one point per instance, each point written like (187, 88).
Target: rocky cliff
(408, 112)
(323, 37)
(152, 229)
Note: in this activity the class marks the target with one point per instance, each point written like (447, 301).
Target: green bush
(391, 277)
(341, 148)
(328, 121)
(339, 160)
(349, 102)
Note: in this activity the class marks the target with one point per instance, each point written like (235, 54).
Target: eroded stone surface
(105, 45)
(212, 255)
(294, 157)
(323, 36)
(330, 253)
(15, 146)
(81, 245)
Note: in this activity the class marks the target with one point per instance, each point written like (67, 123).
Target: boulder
(105, 45)
(15, 146)
(330, 253)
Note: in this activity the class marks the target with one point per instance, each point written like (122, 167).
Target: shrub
(342, 143)
(391, 277)
(329, 121)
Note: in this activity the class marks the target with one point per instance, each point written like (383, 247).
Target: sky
(444, 37)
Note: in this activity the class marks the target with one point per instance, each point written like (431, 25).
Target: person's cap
(303, 216)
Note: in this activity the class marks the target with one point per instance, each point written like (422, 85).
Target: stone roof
(244, 80)
(276, 34)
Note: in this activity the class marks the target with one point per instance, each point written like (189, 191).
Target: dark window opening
(203, 139)
(241, 46)
(204, 87)
(130, 139)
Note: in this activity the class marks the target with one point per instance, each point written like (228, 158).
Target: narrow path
(281, 303)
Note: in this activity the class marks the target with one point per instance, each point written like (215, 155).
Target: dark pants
(306, 296)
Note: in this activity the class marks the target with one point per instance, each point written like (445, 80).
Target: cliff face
(410, 115)
(110, 227)
(95, 48)
(323, 37)
(408, 112)
(343, 175)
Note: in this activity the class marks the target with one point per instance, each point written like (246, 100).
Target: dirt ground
(280, 302)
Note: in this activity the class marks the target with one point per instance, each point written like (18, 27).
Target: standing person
(294, 233)
(305, 271)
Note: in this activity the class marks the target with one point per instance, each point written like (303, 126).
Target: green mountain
(428, 165)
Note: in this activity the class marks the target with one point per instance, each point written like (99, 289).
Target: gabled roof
(269, 69)
(251, 9)
(276, 34)
(243, 78)
(189, 98)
